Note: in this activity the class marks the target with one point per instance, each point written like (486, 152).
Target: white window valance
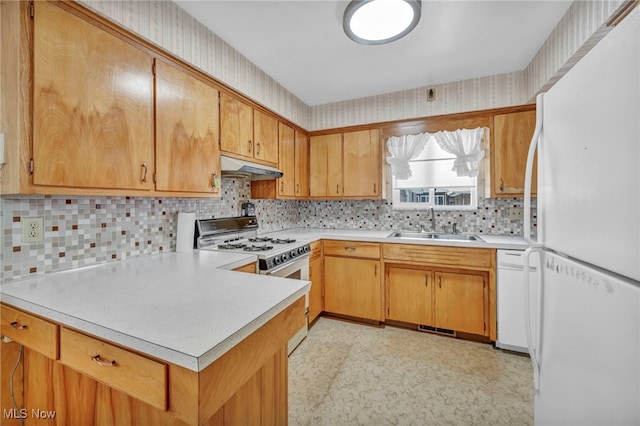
(466, 145)
(403, 149)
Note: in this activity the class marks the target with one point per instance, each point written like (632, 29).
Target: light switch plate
(32, 230)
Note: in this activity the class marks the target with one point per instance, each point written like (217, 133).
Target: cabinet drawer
(352, 249)
(316, 248)
(30, 331)
(133, 374)
(438, 255)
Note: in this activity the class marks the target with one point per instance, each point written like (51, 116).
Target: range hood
(233, 167)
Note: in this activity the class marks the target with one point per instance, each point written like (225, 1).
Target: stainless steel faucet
(433, 219)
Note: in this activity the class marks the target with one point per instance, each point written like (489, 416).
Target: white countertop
(184, 308)
(513, 242)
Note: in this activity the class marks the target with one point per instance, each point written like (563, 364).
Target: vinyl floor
(352, 374)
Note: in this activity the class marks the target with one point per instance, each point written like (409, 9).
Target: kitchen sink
(434, 236)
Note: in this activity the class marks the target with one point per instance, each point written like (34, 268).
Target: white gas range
(280, 257)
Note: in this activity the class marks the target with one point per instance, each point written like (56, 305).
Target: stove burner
(257, 248)
(283, 241)
(231, 246)
(260, 240)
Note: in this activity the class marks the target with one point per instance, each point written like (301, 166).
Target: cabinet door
(287, 161)
(410, 295)
(236, 126)
(362, 169)
(512, 136)
(302, 165)
(93, 106)
(460, 301)
(187, 150)
(325, 165)
(265, 131)
(315, 294)
(352, 287)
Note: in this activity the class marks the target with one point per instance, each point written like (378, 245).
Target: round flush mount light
(380, 21)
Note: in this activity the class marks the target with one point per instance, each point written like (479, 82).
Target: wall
(81, 231)
(85, 230)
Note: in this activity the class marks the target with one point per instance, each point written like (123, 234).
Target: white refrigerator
(583, 313)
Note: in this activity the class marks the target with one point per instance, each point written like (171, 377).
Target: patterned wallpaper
(169, 26)
(85, 230)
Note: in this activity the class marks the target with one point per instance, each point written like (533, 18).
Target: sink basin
(434, 236)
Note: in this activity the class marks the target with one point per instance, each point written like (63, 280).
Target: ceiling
(301, 43)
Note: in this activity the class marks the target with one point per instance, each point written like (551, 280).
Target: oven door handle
(286, 265)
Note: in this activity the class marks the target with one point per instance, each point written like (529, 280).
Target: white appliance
(583, 313)
(510, 287)
(280, 257)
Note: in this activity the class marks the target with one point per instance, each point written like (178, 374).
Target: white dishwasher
(510, 306)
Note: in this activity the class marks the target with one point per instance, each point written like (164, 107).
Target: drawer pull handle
(350, 248)
(18, 326)
(103, 362)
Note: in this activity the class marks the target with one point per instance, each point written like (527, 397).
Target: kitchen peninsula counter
(183, 308)
(168, 339)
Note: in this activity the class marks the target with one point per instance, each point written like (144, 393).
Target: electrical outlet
(516, 214)
(32, 230)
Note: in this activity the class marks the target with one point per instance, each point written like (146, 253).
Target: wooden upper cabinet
(325, 166)
(93, 106)
(361, 161)
(187, 150)
(287, 161)
(512, 135)
(265, 132)
(236, 126)
(246, 132)
(293, 153)
(302, 165)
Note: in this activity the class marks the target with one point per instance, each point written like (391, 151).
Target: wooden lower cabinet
(456, 301)
(353, 287)
(245, 386)
(461, 302)
(317, 287)
(410, 295)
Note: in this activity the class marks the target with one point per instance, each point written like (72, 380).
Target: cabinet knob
(297, 188)
(250, 146)
(426, 280)
(143, 172)
(258, 148)
(350, 248)
(215, 182)
(281, 186)
(375, 188)
(337, 188)
(440, 282)
(501, 185)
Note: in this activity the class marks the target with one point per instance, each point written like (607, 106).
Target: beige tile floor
(352, 374)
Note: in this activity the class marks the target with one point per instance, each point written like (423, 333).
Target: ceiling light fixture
(380, 21)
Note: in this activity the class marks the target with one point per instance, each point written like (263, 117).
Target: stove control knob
(276, 260)
(293, 254)
(283, 257)
(301, 250)
(307, 249)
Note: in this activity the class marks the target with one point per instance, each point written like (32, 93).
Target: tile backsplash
(82, 231)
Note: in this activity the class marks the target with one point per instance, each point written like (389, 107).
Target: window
(434, 184)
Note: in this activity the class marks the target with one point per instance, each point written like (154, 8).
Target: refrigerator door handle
(531, 344)
(533, 146)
